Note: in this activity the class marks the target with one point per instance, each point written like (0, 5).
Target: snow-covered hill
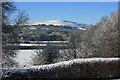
(61, 23)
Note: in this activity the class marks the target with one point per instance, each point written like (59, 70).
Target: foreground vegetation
(78, 68)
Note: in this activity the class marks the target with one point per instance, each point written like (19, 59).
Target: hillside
(54, 30)
(61, 23)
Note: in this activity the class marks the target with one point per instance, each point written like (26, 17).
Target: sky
(66, 0)
(81, 12)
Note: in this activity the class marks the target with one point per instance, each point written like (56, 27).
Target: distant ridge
(61, 23)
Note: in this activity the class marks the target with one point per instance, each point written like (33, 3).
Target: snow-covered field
(32, 44)
(24, 57)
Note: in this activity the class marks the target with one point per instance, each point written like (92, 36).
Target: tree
(100, 40)
(10, 33)
(73, 46)
(75, 43)
(106, 37)
(7, 9)
(7, 56)
(38, 58)
(48, 55)
(87, 44)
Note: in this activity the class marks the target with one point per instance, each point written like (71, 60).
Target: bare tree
(38, 58)
(11, 35)
(47, 55)
(73, 46)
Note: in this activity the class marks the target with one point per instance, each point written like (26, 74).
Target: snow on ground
(59, 23)
(48, 41)
(68, 63)
(24, 57)
(60, 65)
(23, 44)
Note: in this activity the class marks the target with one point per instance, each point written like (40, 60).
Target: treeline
(10, 33)
(100, 40)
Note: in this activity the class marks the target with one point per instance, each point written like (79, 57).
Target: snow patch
(60, 23)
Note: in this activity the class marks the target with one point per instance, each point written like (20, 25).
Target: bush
(78, 68)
